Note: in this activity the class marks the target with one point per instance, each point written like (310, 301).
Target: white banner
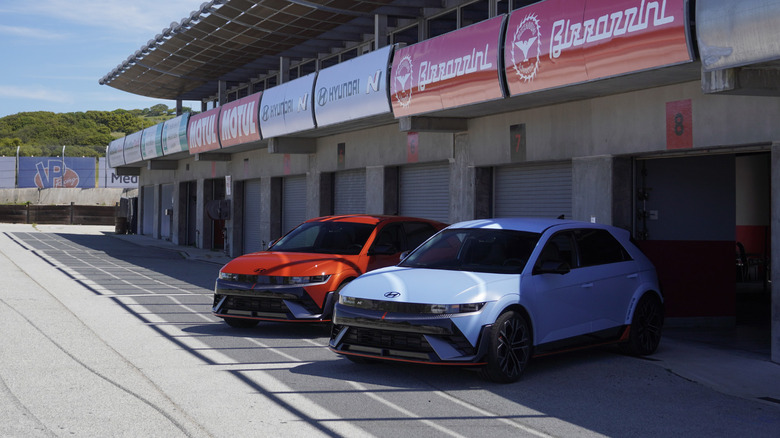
(7, 172)
(108, 178)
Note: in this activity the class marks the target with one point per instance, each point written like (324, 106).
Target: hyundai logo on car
(392, 294)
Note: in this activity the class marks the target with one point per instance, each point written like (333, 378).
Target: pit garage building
(659, 116)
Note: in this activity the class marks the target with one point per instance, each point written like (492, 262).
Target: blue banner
(51, 172)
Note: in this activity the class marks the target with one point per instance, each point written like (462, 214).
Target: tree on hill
(43, 133)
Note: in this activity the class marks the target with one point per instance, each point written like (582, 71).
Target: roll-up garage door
(166, 211)
(350, 192)
(535, 190)
(252, 235)
(147, 211)
(425, 191)
(293, 202)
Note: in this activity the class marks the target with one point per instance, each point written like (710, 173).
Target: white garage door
(425, 191)
(350, 192)
(293, 202)
(252, 235)
(535, 190)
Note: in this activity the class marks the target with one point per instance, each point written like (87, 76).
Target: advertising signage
(174, 135)
(151, 142)
(203, 135)
(51, 172)
(238, 121)
(451, 70)
(353, 89)
(287, 108)
(116, 152)
(563, 42)
(133, 148)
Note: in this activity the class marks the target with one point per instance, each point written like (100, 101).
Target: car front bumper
(243, 300)
(418, 338)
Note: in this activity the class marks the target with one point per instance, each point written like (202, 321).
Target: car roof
(368, 218)
(530, 224)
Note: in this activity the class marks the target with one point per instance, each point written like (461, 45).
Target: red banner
(563, 42)
(451, 70)
(202, 134)
(238, 122)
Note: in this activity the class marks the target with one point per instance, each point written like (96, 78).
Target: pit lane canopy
(236, 40)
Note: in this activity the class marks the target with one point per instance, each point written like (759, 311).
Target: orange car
(299, 276)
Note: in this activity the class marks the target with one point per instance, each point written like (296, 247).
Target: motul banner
(238, 122)
(563, 42)
(203, 134)
(455, 69)
(151, 142)
(133, 148)
(174, 135)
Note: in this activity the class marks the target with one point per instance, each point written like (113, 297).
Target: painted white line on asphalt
(403, 411)
(492, 416)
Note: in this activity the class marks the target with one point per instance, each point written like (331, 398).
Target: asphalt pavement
(736, 367)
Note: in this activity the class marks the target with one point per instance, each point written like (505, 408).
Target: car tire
(509, 349)
(646, 324)
(241, 322)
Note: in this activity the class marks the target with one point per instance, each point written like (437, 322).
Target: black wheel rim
(512, 347)
(648, 325)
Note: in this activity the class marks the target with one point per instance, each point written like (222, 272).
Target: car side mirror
(403, 256)
(553, 267)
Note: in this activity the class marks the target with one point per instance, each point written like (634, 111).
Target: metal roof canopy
(238, 40)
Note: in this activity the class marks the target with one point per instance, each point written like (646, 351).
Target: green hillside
(85, 134)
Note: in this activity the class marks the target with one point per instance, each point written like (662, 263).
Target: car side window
(599, 247)
(417, 233)
(559, 248)
(389, 239)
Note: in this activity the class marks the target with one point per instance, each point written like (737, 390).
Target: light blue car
(493, 293)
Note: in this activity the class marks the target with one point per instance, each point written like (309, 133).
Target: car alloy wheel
(510, 348)
(645, 333)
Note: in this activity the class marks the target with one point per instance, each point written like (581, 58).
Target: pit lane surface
(103, 337)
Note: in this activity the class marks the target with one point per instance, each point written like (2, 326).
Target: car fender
(471, 325)
(644, 287)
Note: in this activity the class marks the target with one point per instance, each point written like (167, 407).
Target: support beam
(162, 165)
(212, 157)
(742, 81)
(432, 124)
(128, 171)
(292, 145)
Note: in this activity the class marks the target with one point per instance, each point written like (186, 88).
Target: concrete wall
(66, 196)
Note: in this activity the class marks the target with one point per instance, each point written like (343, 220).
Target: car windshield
(475, 249)
(344, 238)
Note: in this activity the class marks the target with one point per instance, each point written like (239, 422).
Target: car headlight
(314, 279)
(455, 308)
(227, 276)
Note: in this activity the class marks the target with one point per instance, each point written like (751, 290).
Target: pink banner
(202, 134)
(563, 42)
(238, 122)
(451, 70)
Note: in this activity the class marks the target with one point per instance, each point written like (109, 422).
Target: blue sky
(54, 52)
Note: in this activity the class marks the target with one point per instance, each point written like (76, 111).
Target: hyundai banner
(174, 135)
(238, 122)
(287, 108)
(151, 142)
(555, 43)
(203, 135)
(133, 148)
(353, 89)
(452, 70)
(52, 172)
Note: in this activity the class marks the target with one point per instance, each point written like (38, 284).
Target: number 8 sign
(679, 124)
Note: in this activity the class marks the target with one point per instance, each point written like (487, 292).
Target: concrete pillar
(602, 190)
(200, 214)
(461, 180)
(375, 189)
(156, 227)
(235, 226)
(380, 31)
(775, 252)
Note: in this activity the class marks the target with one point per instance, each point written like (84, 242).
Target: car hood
(290, 264)
(431, 286)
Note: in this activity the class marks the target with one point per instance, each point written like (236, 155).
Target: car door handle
(586, 285)
(633, 276)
